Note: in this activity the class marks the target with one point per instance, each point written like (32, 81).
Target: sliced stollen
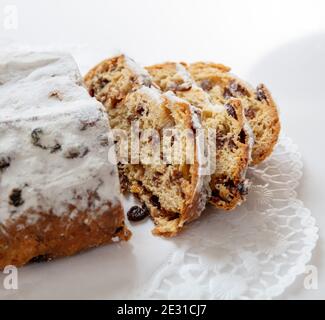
(173, 193)
(260, 109)
(59, 194)
(230, 133)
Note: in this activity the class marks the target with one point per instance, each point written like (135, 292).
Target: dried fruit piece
(56, 94)
(36, 136)
(76, 152)
(55, 148)
(260, 94)
(242, 136)
(15, 198)
(232, 145)
(231, 111)
(137, 213)
(103, 140)
(250, 113)
(4, 163)
(140, 109)
(41, 258)
(206, 85)
(85, 124)
(155, 201)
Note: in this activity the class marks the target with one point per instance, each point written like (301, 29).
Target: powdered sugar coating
(142, 74)
(188, 82)
(53, 139)
(153, 93)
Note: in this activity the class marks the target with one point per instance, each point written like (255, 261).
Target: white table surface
(280, 43)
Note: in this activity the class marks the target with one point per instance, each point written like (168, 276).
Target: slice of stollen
(173, 190)
(226, 121)
(260, 108)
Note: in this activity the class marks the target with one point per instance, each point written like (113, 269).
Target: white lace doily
(254, 252)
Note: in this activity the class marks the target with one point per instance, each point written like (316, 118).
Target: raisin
(137, 213)
(76, 152)
(231, 110)
(260, 94)
(118, 230)
(216, 195)
(227, 94)
(123, 182)
(155, 201)
(235, 89)
(92, 92)
(242, 188)
(56, 94)
(232, 145)
(177, 175)
(140, 109)
(172, 141)
(40, 258)
(4, 163)
(206, 85)
(55, 148)
(229, 184)
(15, 198)
(130, 119)
(104, 142)
(36, 137)
(156, 178)
(220, 140)
(242, 136)
(36, 141)
(103, 82)
(85, 124)
(250, 113)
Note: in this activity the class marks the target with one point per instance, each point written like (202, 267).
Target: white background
(280, 43)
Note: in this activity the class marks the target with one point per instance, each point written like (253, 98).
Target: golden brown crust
(53, 236)
(265, 149)
(260, 109)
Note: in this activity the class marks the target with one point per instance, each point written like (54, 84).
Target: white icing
(190, 83)
(153, 93)
(208, 104)
(251, 139)
(42, 91)
(173, 98)
(184, 74)
(196, 119)
(137, 69)
(215, 107)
